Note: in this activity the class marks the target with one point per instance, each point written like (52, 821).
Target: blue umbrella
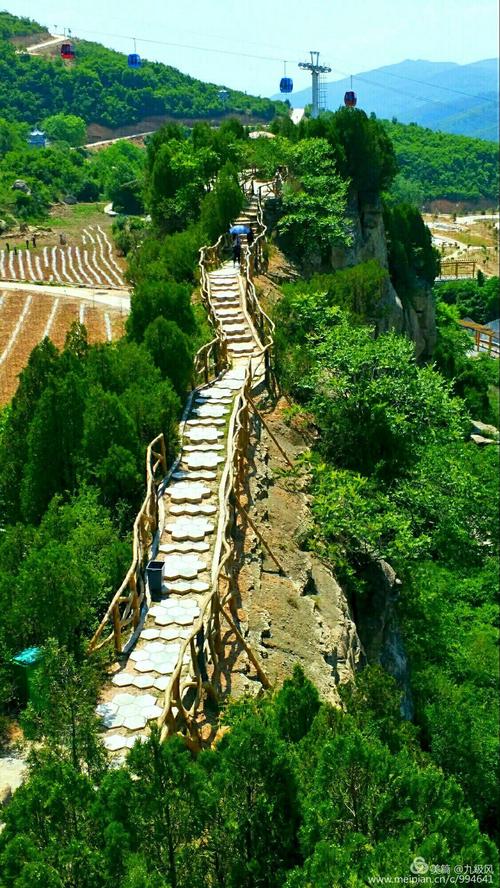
(239, 229)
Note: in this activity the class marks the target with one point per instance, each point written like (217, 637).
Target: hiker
(250, 237)
(27, 244)
(7, 246)
(236, 249)
(33, 240)
(15, 251)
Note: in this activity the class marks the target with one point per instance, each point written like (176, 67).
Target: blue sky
(352, 37)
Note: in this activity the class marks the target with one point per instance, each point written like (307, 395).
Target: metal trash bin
(27, 662)
(154, 574)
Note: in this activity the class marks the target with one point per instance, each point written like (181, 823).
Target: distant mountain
(440, 95)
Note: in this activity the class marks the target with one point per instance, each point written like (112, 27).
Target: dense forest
(101, 88)
(294, 794)
(436, 165)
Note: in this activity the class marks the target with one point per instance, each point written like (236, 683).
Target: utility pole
(316, 69)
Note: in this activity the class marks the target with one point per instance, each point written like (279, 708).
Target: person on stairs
(236, 250)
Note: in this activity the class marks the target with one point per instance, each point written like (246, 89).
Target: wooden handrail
(125, 607)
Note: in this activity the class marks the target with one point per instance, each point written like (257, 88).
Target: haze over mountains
(439, 95)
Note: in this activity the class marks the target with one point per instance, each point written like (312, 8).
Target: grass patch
(494, 399)
(73, 217)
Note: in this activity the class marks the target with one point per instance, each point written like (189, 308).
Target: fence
(124, 612)
(204, 647)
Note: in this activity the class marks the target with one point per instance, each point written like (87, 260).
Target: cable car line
(273, 59)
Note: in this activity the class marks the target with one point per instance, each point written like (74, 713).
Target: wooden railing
(124, 612)
(483, 337)
(457, 268)
(204, 646)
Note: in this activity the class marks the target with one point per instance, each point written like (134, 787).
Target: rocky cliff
(301, 614)
(416, 320)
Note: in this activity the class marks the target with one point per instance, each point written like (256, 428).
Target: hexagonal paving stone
(184, 566)
(170, 633)
(143, 681)
(193, 509)
(188, 492)
(138, 655)
(211, 411)
(202, 446)
(123, 679)
(135, 722)
(113, 721)
(114, 742)
(181, 587)
(152, 712)
(186, 546)
(200, 460)
(189, 528)
(214, 392)
(198, 433)
(123, 699)
(185, 474)
(162, 682)
(205, 421)
(149, 634)
(145, 666)
(107, 712)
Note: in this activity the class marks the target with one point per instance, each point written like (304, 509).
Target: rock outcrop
(369, 242)
(301, 615)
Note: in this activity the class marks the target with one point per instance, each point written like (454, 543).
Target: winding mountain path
(190, 529)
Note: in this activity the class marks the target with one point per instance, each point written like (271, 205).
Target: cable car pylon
(316, 69)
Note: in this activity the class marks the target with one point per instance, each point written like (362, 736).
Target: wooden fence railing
(484, 337)
(204, 645)
(123, 614)
(457, 268)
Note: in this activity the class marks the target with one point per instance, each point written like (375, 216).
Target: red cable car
(68, 51)
(350, 99)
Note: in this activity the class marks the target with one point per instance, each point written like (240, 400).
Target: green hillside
(441, 165)
(100, 87)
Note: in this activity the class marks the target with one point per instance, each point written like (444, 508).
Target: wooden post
(117, 629)
(271, 435)
(250, 654)
(135, 600)
(252, 524)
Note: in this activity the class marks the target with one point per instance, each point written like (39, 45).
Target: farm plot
(26, 318)
(89, 262)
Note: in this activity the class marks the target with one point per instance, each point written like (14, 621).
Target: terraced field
(26, 317)
(88, 263)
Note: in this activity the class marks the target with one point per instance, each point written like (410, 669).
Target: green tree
(65, 128)
(314, 202)
(170, 350)
(61, 712)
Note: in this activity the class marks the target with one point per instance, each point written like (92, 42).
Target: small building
(37, 139)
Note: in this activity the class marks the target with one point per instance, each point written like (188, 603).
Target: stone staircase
(189, 512)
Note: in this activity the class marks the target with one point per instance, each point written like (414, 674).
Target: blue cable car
(286, 85)
(134, 60)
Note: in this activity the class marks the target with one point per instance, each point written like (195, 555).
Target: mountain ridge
(447, 96)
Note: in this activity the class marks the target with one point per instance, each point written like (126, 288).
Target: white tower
(316, 69)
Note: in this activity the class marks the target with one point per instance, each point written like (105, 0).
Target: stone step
(208, 434)
(193, 509)
(187, 546)
(188, 492)
(189, 528)
(245, 336)
(242, 348)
